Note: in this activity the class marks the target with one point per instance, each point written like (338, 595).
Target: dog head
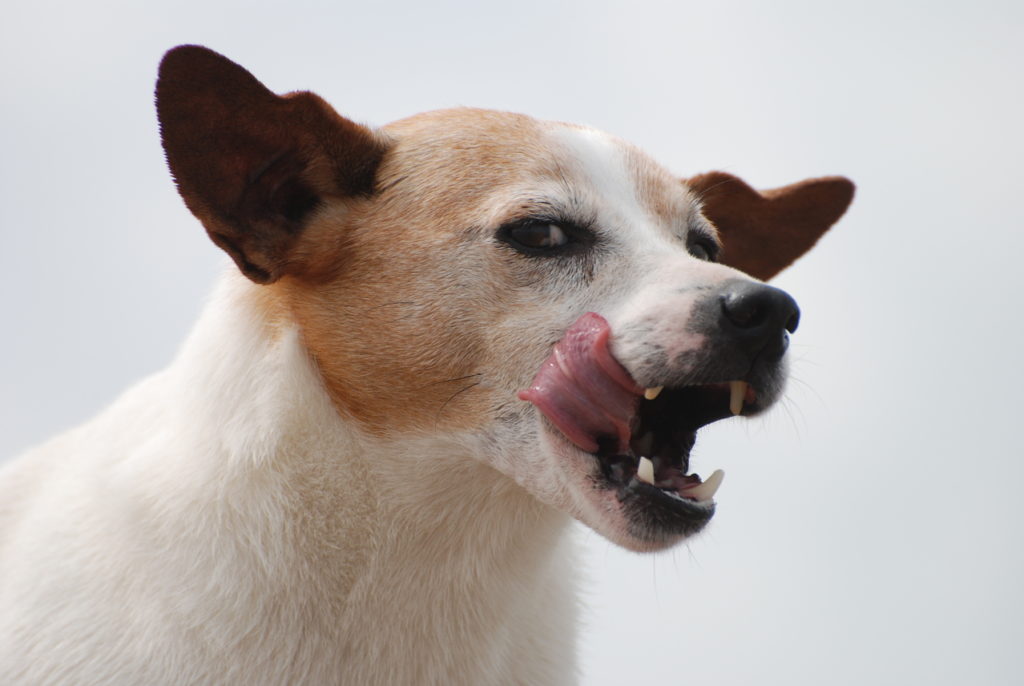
(541, 296)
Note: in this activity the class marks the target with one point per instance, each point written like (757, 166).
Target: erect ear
(764, 232)
(251, 165)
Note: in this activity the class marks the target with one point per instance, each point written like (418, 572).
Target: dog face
(520, 290)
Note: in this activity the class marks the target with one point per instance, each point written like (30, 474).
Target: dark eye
(703, 248)
(541, 237)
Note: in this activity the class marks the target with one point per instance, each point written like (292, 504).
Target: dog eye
(536, 237)
(703, 249)
(539, 235)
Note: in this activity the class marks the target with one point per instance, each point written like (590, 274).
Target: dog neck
(358, 540)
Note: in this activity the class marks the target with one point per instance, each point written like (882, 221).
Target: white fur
(650, 284)
(224, 523)
(220, 523)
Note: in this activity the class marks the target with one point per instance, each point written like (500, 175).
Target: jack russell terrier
(444, 340)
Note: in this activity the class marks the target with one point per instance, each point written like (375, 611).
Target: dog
(444, 340)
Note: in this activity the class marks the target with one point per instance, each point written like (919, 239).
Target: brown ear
(251, 165)
(763, 233)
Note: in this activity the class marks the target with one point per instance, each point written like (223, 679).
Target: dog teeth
(652, 393)
(737, 392)
(645, 471)
(705, 491)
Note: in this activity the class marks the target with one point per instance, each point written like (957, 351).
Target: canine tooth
(652, 393)
(645, 471)
(737, 391)
(706, 490)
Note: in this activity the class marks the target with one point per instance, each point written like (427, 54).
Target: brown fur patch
(765, 232)
(251, 165)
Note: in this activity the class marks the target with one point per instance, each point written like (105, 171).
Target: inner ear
(764, 232)
(251, 165)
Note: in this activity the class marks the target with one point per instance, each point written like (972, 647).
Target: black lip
(657, 517)
(666, 430)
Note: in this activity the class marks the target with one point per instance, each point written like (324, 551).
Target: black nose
(760, 317)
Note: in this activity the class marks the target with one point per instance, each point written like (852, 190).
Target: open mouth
(664, 430)
(640, 438)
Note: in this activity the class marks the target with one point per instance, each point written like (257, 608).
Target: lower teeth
(645, 470)
(701, 492)
(737, 394)
(706, 490)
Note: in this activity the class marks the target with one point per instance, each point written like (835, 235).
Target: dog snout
(758, 317)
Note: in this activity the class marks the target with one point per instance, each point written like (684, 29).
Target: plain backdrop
(870, 529)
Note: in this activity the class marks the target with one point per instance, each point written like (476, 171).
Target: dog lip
(652, 514)
(656, 514)
(664, 497)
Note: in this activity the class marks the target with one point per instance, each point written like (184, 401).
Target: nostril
(794, 320)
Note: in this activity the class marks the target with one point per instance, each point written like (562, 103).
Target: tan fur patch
(398, 298)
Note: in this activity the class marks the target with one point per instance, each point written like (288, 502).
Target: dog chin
(633, 514)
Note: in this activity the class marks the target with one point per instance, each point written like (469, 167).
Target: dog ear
(251, 165)
(764, 232)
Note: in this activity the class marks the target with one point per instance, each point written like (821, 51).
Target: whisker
(809, 387)
(453, 396)
(391, 184)
(723, 182)
(792, 409)
(393, 303)
(457, 378)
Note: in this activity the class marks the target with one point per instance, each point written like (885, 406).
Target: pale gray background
(870, 530)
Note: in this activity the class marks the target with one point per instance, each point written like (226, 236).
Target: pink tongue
(583, 390)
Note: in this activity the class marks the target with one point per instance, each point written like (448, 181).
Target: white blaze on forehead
(631, 195)
(603, 162)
